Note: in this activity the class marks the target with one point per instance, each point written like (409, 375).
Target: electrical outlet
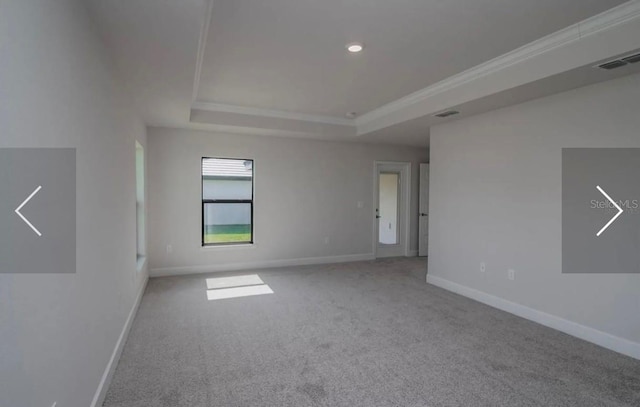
(326, 240)
(169, 248)
(511, 274)
(360, 204)
(483, 267)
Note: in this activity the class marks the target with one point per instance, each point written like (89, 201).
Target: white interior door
(391, 185)
(423, 233)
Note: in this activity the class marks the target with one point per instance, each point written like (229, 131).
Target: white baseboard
(98, 398)
(617, 344)
(212, 268)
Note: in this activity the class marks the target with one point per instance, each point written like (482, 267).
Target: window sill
(229, 246)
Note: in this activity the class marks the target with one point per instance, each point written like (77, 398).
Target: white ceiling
(412, 132)
(279, 67)
(290, 54)
(154, 44)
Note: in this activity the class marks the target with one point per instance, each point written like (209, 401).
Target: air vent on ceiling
(447, 113)
(632, 59)
(617, 63)
(612, 65)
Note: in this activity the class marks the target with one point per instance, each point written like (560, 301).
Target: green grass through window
(227, 234)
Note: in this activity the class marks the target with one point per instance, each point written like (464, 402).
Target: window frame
(203, 202)
(141, 209)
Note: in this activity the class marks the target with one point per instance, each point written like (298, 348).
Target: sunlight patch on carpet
(220, 288)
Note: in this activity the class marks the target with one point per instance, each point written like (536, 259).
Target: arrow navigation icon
(17, 211)
(614, 204)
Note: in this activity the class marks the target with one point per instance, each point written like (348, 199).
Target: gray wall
(495, 196)
(305, 191)
(58, 331)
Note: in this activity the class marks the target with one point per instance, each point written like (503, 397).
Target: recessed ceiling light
(355, 47)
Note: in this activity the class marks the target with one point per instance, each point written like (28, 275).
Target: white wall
(305, 191)
(495, 196)
(58, 331)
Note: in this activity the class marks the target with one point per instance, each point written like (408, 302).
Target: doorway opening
(423, 203)
(391, 217)
(388, 211)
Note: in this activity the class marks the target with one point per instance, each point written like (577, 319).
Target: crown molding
(277, 114)
(222, 108)
(610, 18)
(202, 46)
(604, 21)
(597, 24)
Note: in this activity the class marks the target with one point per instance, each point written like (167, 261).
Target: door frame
(404, 168)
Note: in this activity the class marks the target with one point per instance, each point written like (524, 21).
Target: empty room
(415, 203)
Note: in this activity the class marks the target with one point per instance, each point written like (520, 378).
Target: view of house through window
(227, 201)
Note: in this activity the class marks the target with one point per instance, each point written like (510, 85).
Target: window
(227, 201)
(140, 210)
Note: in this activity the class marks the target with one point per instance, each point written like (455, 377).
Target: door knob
(423, 214)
